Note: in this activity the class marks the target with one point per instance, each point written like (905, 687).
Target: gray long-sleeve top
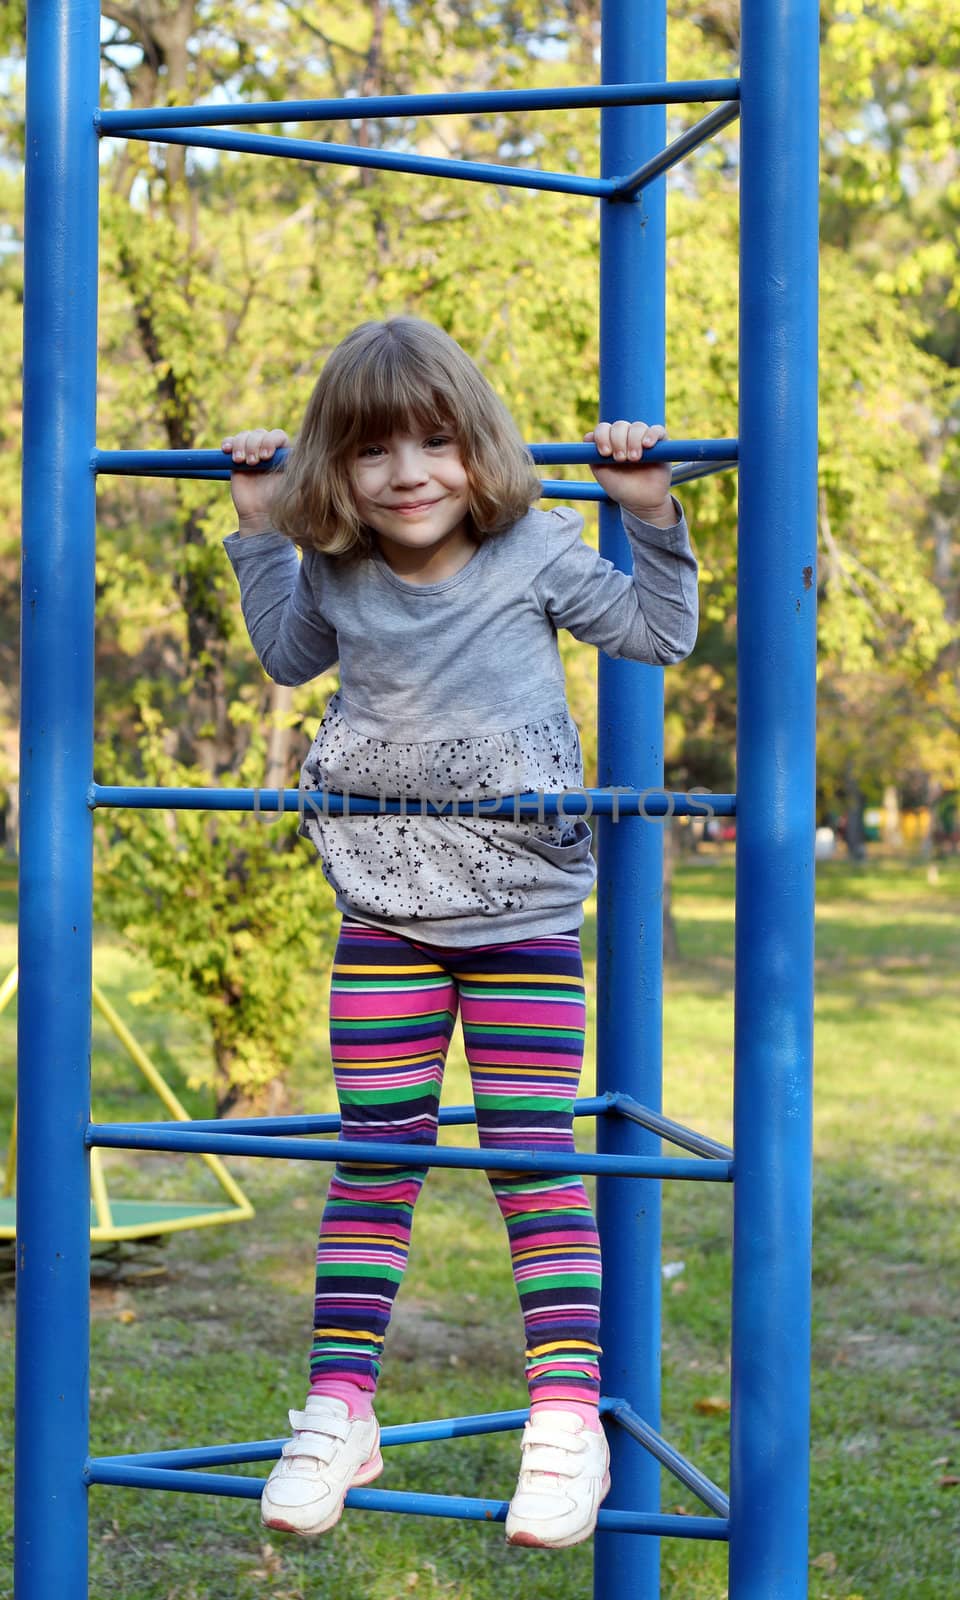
(457, 689)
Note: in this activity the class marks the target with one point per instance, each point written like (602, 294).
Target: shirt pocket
(571, 853)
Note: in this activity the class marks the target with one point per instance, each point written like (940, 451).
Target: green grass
(213, 1349)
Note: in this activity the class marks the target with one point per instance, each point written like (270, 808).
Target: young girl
(430, 576)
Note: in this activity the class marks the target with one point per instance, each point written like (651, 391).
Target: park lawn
(212, 1350)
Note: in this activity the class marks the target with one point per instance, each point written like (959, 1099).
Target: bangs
(395, 377)
(396, 401)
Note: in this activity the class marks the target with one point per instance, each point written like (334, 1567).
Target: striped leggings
(392, 1008)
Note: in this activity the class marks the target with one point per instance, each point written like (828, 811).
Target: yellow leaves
(145, 996)
(244, 713)
(271, 1563)
(712, 1405)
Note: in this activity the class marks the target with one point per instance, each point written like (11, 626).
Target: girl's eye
(438, 440)
(371, 450)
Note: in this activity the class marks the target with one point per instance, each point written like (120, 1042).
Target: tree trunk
(233, 1100)
(856, 845)
(892, 832)
(278, 747)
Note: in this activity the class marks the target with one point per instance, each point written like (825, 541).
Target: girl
(427, 573)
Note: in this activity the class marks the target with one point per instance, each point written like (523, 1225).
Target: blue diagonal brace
(689, 1475)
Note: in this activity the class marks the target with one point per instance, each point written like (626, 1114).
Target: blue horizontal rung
(687, 1138)
(470, 102)
(616, 802)
(585, 455)
(689, 1475)
(612, 1103)
(702, 469)
(580, 489)
(224, 1455)
(574, 489)
(363, 156)
(180, 1136)
(462, 1508)
(329, 1122)
(122, 1475)
(550, 488)
(188, 463)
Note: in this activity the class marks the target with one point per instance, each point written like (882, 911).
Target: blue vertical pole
(775, 814)
(53, 1206)
(630, 737)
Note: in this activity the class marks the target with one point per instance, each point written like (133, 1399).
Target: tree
(226, 280)
(214, 272)
(887, 576)
(223, 908)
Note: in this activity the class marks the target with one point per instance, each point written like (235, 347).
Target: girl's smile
(412, 490)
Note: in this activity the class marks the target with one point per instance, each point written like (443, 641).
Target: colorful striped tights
(392, 1009)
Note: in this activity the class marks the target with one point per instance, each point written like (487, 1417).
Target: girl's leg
(522, 1010)
(392, 1011)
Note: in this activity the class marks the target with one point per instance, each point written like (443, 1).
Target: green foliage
(226, 280)
(11, 296)
(13, 24)
(222, 906)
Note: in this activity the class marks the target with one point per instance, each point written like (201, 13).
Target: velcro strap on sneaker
(316, 1446)
(319, 1422)
(536, 1434)
(556, 1463)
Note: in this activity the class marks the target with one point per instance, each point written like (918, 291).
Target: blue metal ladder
(765, 1520)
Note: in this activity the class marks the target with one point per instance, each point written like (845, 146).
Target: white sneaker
(329, 1453)
(564, 1475)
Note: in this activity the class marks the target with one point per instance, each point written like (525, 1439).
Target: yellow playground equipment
(113, 1220)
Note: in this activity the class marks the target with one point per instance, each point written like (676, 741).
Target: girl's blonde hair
(402, 375)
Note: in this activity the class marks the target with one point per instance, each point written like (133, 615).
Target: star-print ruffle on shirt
(451, 872)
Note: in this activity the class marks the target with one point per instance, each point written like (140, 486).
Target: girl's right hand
(253, 491)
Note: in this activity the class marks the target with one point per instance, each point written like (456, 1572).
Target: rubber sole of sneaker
(371, 1469)
(531, 1541)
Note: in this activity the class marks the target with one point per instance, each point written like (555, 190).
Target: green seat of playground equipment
(138, 1219)
(113, 1221)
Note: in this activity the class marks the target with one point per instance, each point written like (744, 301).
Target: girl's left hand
(644, 490)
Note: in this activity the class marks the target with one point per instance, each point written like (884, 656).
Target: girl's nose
(408, 465)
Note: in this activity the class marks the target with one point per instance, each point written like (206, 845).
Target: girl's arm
(292, 639)
(652, 614)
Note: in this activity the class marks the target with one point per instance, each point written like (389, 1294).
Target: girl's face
(412, 490)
